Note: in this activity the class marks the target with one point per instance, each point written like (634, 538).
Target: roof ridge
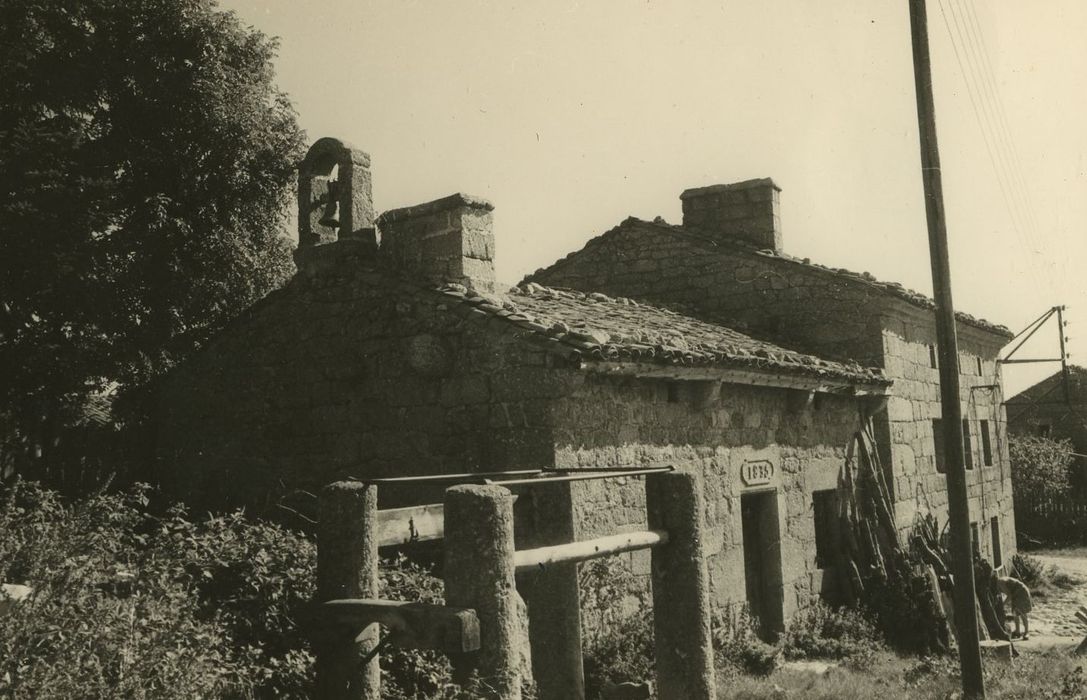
(891, 288)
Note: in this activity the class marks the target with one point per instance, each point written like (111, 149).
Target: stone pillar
(554, 604)
(347, 567)
(479, 574)
(681, 598)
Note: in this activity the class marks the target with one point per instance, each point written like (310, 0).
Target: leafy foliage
(128, 604)
(1039, 466)
(617, 637)
(822, 632)
(736, 644)
(146, 159)
(131, 601)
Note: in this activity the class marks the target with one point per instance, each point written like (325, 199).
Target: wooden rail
(541, 557)
(413, 625)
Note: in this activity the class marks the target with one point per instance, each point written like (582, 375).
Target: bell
(331, 215)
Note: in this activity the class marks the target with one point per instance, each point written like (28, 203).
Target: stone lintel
(453, 201)
(732, 187)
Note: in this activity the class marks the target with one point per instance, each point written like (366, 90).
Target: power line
(1002, 113)
(1017, 218)
(1012, 212)
(999, 118)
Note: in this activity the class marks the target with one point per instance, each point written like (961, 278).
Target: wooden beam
(411, 625)
(587, 474)
(739, 376)
(541, 557)
(465, 478)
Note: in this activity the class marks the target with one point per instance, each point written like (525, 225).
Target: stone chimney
(746, 211)
(447, 240)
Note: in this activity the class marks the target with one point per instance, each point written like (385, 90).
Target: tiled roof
(890, 288)
(602, 328)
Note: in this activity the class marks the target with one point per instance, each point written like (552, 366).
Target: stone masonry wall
(715, 429)
(909, 346)
(351, 372)
(816, 311)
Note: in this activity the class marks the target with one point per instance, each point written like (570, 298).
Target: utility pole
(962, 564)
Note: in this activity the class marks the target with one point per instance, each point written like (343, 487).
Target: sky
(572, 115)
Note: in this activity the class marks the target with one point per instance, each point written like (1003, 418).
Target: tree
(1039, 466)
(146, 161)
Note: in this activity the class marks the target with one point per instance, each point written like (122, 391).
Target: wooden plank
(584, 475)
(859, 387)
(411, 625)
(397, 526)
(532, 559)
(465, 478)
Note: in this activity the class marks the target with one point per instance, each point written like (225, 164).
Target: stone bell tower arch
(335, 201)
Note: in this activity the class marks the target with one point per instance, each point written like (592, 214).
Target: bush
(1028, 569)
(821, 632)
(1039, 466)
(134, 602)
(128, 604)
(1042, 580)
(617, 641)
(737, 647)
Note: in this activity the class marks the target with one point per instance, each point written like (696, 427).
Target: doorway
(762, 561)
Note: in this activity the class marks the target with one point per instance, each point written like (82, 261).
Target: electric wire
(1007, 185)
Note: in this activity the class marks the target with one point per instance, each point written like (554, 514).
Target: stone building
(393, 352)
(1056, 408)
(725, 264)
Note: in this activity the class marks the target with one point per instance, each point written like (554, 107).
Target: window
(994, 532)
(979, 365)
(986, 444)
(967, 447)
(938, 443)
(825, 510)
(974, 538)
(940, 452)
(932, 357)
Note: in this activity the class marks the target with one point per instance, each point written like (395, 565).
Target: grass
(886, 676)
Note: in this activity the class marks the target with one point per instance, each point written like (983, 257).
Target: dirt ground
(1054, 614)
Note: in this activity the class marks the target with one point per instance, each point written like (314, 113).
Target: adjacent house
(1056, 408)
(391, 352)
(726, 264)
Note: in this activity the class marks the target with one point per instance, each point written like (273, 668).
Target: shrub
(1039, 466)
(1042, 580)
(821, 632)
(1028, 569)
(617, 641)
(736, 644)
(134, 602)
(127, 604)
